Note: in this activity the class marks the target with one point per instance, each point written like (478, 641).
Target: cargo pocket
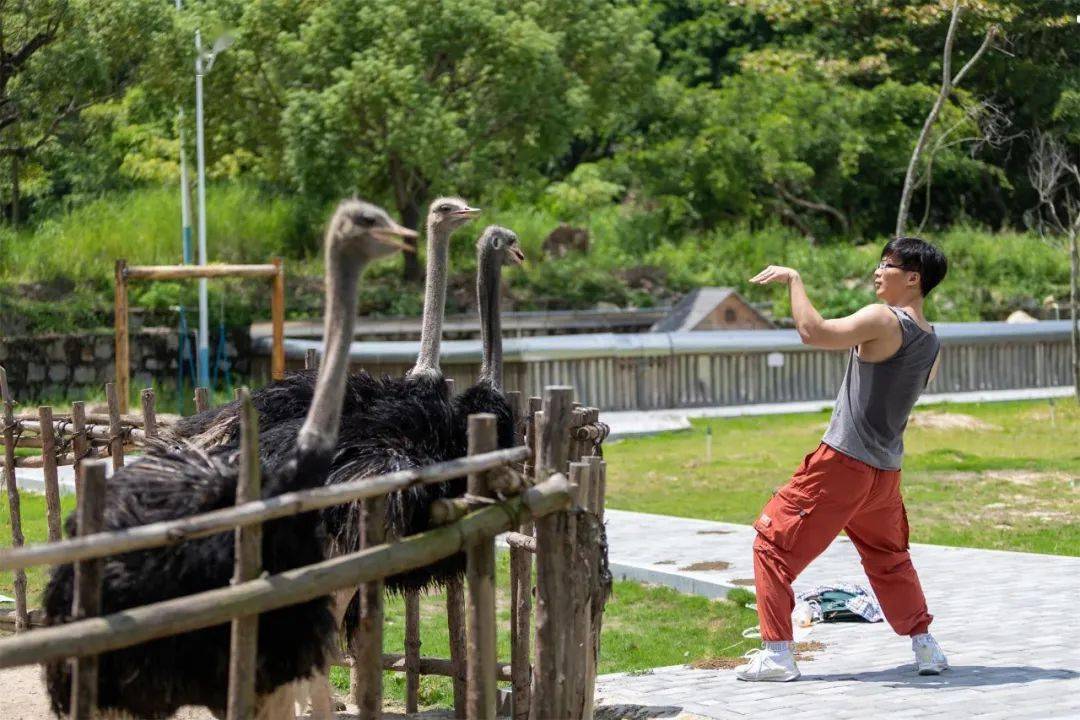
(783, 517)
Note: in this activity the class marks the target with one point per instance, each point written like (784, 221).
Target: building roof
(696, 306)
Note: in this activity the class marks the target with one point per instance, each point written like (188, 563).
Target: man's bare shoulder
(877, 313)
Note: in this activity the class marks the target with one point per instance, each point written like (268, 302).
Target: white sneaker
(929, 660)
(768, 666)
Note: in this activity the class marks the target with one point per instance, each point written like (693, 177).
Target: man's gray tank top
(875, 399)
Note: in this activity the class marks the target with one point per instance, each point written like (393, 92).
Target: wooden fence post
(87, 597)
(277, 320)
(123, 358)
(554, 615)
(48, 471)
(412, 651)
(480, 573)
(80, 443)
(149, 412)
(311, 359)
(366, 644)
(116, 435)
(22, 621)
(521, 593)
(244, 637)
(202, 399)
(513, 397)
(583, 559)
(597, 601)
(455, 622)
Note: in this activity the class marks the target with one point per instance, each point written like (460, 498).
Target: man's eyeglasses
(885, 265)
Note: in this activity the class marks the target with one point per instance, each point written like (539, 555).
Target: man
(851, 482)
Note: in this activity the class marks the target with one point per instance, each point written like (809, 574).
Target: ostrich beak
(390, 235)
(517, 256)
(468, 212)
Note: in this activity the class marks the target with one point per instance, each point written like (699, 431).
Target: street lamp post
(203, 63)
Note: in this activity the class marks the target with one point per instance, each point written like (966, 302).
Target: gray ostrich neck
(488, 279)
(434, 299)
(320, 430)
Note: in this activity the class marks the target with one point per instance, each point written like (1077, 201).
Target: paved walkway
(1008, 622)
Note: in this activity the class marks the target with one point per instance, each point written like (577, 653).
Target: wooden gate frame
(275, 271)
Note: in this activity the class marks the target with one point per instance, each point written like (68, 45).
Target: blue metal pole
(204, 328)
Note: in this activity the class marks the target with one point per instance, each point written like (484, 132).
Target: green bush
(58, 276)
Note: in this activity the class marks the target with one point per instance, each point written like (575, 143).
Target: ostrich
(288, 399)
(387, 423)
(496, 247)
(154, 679)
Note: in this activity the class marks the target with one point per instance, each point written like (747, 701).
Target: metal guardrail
(648, 371)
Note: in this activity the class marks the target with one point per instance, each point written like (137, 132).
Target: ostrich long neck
(434, 298)
(488, 278)
(320, 430)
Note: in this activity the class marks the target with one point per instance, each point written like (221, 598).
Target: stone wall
(72, 365)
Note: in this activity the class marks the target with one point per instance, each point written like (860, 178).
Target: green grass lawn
(992, 475)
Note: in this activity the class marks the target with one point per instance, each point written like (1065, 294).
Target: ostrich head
(365, 232)
(358, 233)
(501, 245)
(447, 214)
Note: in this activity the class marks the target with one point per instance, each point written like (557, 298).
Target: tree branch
(811, 205)
(991, 33)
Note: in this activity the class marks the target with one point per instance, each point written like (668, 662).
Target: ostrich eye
(445, 208)
(365, 219)
(496, 242)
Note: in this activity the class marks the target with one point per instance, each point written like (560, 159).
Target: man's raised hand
(776, 274)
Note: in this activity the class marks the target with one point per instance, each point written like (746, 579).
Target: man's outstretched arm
(869, 323)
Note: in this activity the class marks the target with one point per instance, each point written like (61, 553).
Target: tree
(58, 58)
(412, 99)
(1054, 171)
(948, 83)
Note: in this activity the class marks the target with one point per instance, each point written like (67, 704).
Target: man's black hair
(917, 255)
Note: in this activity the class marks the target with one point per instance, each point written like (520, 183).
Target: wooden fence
(549, 493)
(274, 272)
(650, 371)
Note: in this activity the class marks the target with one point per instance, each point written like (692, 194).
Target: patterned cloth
(860, 602)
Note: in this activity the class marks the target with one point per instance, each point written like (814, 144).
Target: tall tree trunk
(409, 192)
(1074, 311)
(410, 218)
(948, 83)
(16, 211)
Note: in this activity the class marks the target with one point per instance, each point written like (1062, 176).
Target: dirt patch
(714, 532)
(717, 663)
(1026, 478)
(802, 652)
(803, 649)
(711, 565)
(931, 420)
(664, 562)
(743, 582)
